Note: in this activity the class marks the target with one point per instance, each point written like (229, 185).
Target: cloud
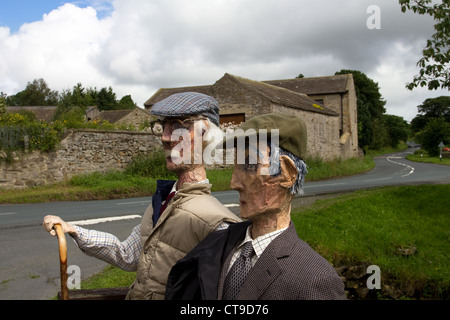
(58, 48)
(139, 46)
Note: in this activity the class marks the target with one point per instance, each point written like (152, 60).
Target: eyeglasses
(158, 126)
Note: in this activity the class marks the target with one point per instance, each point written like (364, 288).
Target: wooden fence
(13, 137)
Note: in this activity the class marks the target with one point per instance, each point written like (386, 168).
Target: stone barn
(326, 104)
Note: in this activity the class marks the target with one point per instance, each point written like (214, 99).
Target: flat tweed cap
(185, 104)
(292, 131)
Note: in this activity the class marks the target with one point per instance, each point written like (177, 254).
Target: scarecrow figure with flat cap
(182, 212)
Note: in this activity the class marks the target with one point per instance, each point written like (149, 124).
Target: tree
(397, 129)
(434, 65)
(365, 124)
(429, 109)
(78, 97)
(436, 107)
(381, 136)
(418, 123)
(436, 130)
(126, 103)
(106, 99)
(36, 93)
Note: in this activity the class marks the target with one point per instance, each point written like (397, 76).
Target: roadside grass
(386, 150)
(95, 186)
(422, 156)
(374, 226)
(110, 277)
(320, 170)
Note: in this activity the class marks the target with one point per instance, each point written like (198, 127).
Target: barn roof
(289, 92)
(283, 96)
(312, 86)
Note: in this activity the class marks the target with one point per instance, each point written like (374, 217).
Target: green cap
(291, 130)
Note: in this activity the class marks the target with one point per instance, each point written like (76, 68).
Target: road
(392, 169)
(29, 262)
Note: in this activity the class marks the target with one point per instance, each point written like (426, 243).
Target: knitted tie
(238, 272)
(170, 196)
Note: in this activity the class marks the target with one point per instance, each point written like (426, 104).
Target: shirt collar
(261, 243)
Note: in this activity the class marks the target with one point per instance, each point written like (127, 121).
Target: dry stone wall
(80, 152)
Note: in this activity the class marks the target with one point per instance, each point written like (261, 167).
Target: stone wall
(80, 152)
(323, 132)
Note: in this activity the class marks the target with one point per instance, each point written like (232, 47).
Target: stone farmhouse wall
(323, 133)
(136, 118)
(80, 152)
(345, 105)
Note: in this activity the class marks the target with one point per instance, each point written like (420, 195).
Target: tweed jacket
(288, 269)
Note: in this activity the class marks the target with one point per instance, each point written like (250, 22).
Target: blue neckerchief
(163, 188)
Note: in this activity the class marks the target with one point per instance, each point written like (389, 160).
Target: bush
(22, 130)
(25, 131)
(436, 130)
(150, 165)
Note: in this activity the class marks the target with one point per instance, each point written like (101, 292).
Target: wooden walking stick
(62, 261)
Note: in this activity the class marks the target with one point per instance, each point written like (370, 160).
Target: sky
(140, 46)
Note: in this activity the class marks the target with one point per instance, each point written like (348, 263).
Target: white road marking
(7, 213)
(411, 169)
(380, 179)
(135, 202)
(102, 220)
(323, 185)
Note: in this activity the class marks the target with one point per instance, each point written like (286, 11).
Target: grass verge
(110, 277)
(376, 226)
(422, 156)
(320, 170)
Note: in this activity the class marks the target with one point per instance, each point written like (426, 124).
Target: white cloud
(59, 49)
(139, 46)
(397, 67)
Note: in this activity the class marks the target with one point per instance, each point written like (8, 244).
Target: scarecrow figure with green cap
(261, 258)
(182, 212)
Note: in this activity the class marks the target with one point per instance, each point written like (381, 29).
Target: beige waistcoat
(189, 217)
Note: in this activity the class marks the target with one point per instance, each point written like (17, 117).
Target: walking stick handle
(62, 260)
